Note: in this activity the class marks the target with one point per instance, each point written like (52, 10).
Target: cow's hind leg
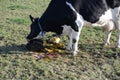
(118, 42)
(118, 27)
(108, 28)
(107, 39)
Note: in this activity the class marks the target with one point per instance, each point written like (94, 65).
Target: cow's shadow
(89, 47)
(13, 49)
(92, 49)
(21, 48)
(99, 50)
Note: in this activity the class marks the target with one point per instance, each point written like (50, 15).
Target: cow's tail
(70, 5)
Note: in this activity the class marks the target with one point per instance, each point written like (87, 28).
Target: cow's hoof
(106, 43)
(74, 53)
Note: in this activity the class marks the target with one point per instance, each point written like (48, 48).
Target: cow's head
(34, 28)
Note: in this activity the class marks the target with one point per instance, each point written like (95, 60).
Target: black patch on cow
(91, 10)
(56, 15)
(74, 40)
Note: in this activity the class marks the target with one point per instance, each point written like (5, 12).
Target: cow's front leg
(75, 34)
(75, 40)
(69, 45)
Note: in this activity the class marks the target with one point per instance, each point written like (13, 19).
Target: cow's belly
(102, 20)
(110, 14)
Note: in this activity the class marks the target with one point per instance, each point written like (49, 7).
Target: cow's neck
(55, 29)
(42, 32)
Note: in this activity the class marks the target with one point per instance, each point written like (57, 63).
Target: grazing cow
(67, 17)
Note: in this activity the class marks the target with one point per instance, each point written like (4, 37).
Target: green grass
(93, 62)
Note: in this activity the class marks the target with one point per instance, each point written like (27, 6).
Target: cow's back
(57, 14)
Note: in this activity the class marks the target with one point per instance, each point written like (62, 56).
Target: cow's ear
(31, 18)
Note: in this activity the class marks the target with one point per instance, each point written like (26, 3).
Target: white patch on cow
(74, 35)
(103, 19)
(116, 19)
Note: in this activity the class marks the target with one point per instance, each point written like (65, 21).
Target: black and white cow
(67, 17)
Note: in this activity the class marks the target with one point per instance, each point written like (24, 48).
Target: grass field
(93, 62)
